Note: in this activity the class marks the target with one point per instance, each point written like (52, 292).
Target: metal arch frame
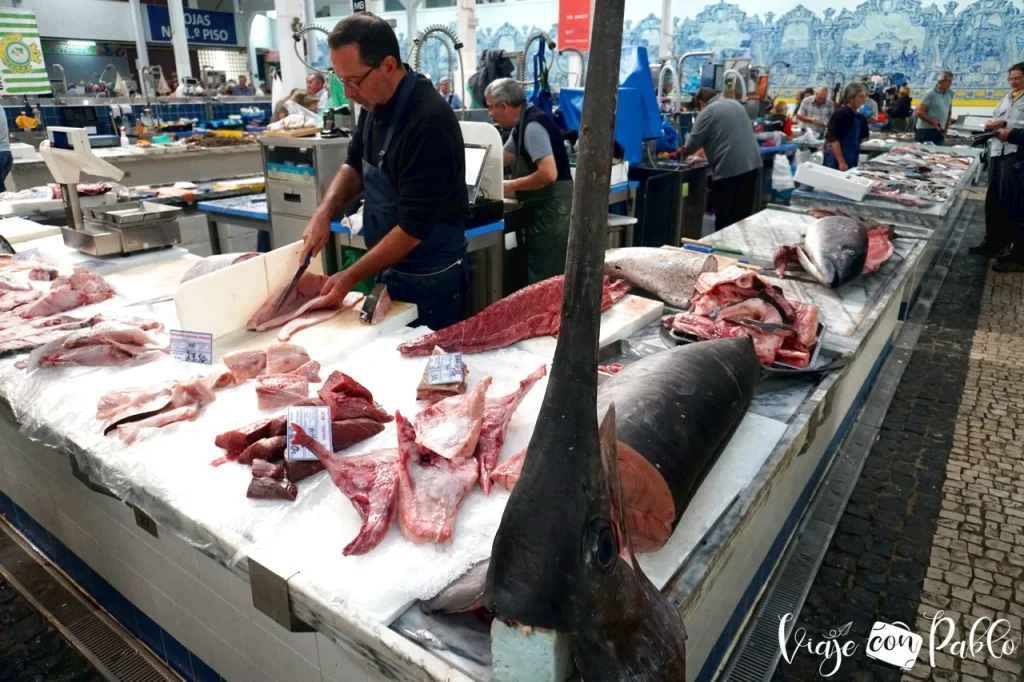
(521, 64)
(298, 29)
(453, 45)
(583, 64)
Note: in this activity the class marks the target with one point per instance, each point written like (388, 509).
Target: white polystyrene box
(834, 181)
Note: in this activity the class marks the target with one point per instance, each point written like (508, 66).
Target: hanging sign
(22, 70)
(202, 26)
(574, 24)
(358, 6)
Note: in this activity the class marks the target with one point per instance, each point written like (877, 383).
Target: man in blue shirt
(445, 88)
(935, 112)
(243, 89)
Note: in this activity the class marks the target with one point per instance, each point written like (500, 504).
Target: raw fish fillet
(308, 289)
(122, 405)
(497, 414)
(215, 263)
(220, 378)
(129, 433)
(143, 323)
(339, 382)
(9, 283)
(348, 432)
(237, 440)
(271, 489)
(57, 301)
(284, 357)
(106, 344)
(16, 299)
(90, 284)
(309, 370)
(430, 489)
(451, 428)
(346, 407)
(35, 333)
(299, 470)
(532, 311)
(376, 306)
(880, 249)
(270, 449)
(42, 274)
(261, 468)
(309, 320)
(280, 390)
(369, 481)
(245, 364)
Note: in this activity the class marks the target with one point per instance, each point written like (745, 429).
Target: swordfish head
(834, 250)
(625, 627)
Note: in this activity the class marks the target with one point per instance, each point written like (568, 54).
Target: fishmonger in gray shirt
(724, 130)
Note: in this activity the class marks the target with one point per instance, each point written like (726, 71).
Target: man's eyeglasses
(357, 81)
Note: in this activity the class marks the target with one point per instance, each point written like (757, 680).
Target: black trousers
(1002, 215)
(732, 199)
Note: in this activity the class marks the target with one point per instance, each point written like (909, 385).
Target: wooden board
(223, 301)
(327, 342)
(297, 132)
(621, 321)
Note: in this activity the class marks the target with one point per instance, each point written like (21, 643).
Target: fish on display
(561, 559)
(669, 274)
(834, 251)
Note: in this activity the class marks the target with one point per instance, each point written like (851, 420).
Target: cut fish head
(834, 250)
(625, 628)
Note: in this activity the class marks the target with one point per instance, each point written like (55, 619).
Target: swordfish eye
(601, 544)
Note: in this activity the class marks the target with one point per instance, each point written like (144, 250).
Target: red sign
(574, 24)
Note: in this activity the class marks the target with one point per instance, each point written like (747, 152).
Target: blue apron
(435, 275)
(849, 145)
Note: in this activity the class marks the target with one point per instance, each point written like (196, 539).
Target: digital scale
(104, 230)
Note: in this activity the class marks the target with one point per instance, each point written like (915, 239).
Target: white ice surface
(322, 521)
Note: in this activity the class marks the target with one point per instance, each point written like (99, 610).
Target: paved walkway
(31, 650)
(936, 521)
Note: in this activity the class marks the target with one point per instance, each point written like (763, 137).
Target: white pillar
(665, 46)
(466, 25)
(179, 38)
(293, 73)
(411, 29)
(311, 51)
(375, 6)
(250, 46)
(142, 62)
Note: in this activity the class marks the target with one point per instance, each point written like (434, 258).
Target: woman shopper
(846, 130)
(900, 110)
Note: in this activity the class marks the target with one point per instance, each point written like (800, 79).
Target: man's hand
(336, 288)
(315, 236)
(995, 125)
(1003, 135)
(510, 188)
(842, 166)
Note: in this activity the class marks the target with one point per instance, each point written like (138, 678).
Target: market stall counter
(181, 555)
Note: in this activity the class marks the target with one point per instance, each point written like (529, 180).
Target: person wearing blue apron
(407, 157)
(846, 130)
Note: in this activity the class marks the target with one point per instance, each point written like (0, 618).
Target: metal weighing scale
(104, 230)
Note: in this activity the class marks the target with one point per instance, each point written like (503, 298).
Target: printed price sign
(25, 255)
(314, 420)
(444, 369)
(358, 6)
(192, 346)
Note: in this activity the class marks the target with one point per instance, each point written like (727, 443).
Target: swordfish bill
(531, 577)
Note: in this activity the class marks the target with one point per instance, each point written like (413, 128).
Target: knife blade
(290, 289)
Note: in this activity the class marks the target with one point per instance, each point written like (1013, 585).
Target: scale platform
(125, 228)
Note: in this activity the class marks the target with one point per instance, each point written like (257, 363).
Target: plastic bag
(296, 108)
(802, 156)
(782, 174)
(669, 140)
(335, 92)
(350, 256)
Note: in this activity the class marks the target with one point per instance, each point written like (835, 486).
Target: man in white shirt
(317, 86)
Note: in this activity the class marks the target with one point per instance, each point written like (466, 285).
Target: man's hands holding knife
(314, 238)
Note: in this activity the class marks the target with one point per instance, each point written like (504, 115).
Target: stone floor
(936, 521)
(31, 650)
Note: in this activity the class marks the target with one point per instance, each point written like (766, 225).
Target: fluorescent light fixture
(79, 43)
(272, 14)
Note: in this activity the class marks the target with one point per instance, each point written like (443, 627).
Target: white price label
(192, 346)
(25, 255)
(444, 369)
(314, 420)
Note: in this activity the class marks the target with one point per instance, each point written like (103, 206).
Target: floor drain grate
(757, 653)
(100, 639)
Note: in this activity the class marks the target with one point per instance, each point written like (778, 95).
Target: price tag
(314, 420)
(444, 369)
(25, 255)
(192, 346)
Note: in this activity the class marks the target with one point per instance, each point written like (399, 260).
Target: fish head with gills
(834, 250)
(626, 629)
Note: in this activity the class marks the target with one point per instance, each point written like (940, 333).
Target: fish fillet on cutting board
(621, 321)
(222, 302)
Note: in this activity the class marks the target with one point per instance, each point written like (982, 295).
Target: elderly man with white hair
(445, 88)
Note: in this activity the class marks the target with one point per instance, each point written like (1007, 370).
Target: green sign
(83, 47)
(22, 70)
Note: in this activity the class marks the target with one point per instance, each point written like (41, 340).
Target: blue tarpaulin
(635, 73)
(627, 118)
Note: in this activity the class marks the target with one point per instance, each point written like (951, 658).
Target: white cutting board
(223, 301)
(18, 230)
(622, 320)
(327, 342)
